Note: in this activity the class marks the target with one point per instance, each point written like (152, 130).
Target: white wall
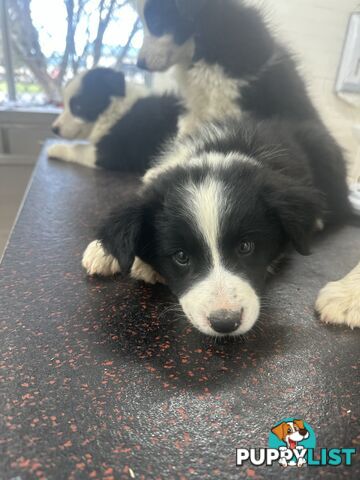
(315, 30)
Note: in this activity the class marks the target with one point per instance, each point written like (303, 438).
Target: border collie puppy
(218, 209)
(124, 125)
(228, 62)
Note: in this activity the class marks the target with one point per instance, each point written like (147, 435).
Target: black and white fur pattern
(227, 61)
(218, 209)
(124, 124)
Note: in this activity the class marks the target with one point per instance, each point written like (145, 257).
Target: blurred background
(44, 43)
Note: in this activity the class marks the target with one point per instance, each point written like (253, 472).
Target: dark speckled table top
(99, 380)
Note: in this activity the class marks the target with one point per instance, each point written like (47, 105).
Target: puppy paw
(339, 302)
(59, 151)
(142, 271)
(97, 261)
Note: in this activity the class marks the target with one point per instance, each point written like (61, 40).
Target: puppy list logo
(292, 443)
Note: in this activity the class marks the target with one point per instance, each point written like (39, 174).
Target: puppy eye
(246, 248)
(289, 430)
(75, 107)
(181, 258)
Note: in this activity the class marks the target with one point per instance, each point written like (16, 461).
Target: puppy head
(294, 431)
(86, 97)
(168, 32)
(211, 231)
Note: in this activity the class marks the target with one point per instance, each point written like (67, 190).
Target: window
(45, 43)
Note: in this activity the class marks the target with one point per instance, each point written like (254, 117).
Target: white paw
(283, 462)
(97, 261)
(142, 271)
(339, 302)
(59, 151)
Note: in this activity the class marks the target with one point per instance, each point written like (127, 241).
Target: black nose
(56, 130)
(141, 63)
(303, 432)
(224, 321)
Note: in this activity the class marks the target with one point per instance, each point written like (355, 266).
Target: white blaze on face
(71, 127)
(220, 290)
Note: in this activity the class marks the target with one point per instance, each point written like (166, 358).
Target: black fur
(235, 36)
(273, 204)
(134, 141)
(137, 137)
(97, 87)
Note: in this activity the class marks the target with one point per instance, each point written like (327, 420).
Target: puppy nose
(141, 63)
(56, 130)
(224, 321)
(303, 432)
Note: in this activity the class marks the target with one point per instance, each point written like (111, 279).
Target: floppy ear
(279, 431)
(120, 235)
(300, 424)
(116, 82)
(297, 207)
(189, 9)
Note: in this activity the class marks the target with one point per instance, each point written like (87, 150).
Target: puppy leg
(83, 154)
(142, 271)
(339, 302)
(97, 261)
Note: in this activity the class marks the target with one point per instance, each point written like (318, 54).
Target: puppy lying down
(125, 125)
(218, 209)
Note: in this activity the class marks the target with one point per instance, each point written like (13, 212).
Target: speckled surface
(98, 380)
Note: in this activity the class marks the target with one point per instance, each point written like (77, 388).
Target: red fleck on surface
(250, 472)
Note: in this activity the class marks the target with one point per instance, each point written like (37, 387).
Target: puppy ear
(120, 235)
(279, 431)
(189, 9)
(116, 82)
(297, 207)
(300, 424)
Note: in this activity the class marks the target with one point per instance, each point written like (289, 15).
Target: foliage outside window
(51, 40)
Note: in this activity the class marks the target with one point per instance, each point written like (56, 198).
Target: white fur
(83, 154)
(339, 302)
(161, 53)
(209, 95)
(220, 290)
(72, 127)
(96, 261)
(119, 106)
(142, 271)
(184, 151)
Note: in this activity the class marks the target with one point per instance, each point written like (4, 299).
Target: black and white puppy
(218, 209)
(124, 124)
(227, 60)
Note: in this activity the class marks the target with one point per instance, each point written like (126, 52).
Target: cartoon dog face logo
(291, 433)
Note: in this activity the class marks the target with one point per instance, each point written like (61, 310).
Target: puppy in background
(124, 124)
